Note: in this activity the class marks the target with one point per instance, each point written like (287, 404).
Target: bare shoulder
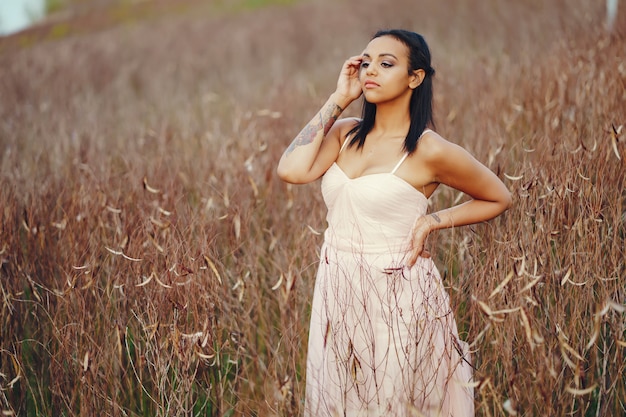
(340, 130)
(333, 141)
(346, 124)
(433, 147)
(446, 162)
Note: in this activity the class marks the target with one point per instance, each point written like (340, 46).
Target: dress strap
(406, 154)
(424, 132)
(399, 163)
(345, 142)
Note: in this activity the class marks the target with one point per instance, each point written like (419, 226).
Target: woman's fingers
(352, 65)
(348, 83)
(355, 60)
(418, 242)
(415, 254)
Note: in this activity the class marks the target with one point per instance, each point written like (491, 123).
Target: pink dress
(383, 339)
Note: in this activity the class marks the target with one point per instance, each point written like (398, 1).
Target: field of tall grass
(152, 264)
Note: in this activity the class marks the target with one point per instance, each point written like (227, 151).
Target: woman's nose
(370, 69)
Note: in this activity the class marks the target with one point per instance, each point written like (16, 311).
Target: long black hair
(421, 107)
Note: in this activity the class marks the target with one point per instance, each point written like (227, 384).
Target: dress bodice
(371, 213)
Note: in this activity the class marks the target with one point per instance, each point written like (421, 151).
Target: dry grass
(152, 263)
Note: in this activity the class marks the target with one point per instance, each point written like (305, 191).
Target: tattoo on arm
(331, 116)
(327, 118)
(436, 217)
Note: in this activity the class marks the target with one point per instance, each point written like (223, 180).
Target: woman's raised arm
(317, 145)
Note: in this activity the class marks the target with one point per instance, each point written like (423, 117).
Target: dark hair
(421, 108)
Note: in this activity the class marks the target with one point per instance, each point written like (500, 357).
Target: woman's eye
(365, 64)
(386, 64)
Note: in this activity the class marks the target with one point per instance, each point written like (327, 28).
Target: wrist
(340, 100)
(434, 221)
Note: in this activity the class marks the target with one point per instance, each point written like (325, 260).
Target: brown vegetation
(152, 263)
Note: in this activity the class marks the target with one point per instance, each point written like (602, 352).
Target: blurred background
(151, 263)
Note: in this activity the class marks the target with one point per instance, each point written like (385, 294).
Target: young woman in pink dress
(383, 340)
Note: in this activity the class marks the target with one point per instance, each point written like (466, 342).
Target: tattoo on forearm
(305, 137)
(331, 116)
(327, 118)
(434, 216)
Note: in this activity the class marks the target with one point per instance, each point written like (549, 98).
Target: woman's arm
(454, 166)
(316, 147)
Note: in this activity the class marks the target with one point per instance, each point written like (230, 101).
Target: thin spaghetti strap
(343, 145)
(399, 163)
(406, 154)
(425, 131)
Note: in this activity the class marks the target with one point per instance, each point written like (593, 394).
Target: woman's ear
(416, 78)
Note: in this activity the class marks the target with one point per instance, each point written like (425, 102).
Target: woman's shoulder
(340, 129)
(439, 155)
(347, 124)
(432, 146)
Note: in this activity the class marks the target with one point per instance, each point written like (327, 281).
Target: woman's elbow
(288, 175)
(282, 173)
(506, 201)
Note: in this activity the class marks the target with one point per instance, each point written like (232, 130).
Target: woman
(383, 341)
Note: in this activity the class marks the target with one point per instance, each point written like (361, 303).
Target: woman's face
(384, 72)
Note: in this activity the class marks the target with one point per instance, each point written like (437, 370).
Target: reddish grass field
(152, 264)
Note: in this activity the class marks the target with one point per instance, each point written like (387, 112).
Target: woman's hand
(348, 84)
(421, 229)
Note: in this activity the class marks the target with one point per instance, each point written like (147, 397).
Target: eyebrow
(383, 54)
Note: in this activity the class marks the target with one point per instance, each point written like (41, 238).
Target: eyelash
(382, 64)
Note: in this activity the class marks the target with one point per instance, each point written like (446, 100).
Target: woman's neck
(392, 119)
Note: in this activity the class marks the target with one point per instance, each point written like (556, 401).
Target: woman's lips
(370, 84)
